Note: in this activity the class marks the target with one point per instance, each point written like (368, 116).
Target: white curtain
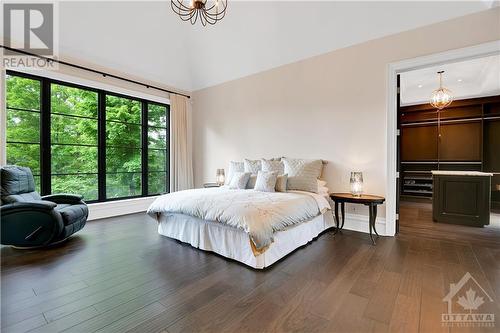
(181, 157)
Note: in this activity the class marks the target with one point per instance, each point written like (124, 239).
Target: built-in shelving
(462, 137)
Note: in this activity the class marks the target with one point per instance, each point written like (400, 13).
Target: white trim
(393, 69)
(94, 84)
(356, 222)
(102, 210)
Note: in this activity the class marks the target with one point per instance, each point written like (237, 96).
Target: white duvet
(259, 214)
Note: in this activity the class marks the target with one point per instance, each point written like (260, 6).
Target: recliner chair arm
(30, 223)
(64, 198)
(40, 204)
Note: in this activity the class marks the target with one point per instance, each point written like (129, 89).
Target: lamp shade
(220, 177)
(356, 183)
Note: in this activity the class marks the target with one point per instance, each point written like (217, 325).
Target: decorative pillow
(266, 181)
(273, 165)
(234, 167)
(281, 183)
(252, 166)
(322, 188)
(251, 181)
(303, 174)
(239, 180)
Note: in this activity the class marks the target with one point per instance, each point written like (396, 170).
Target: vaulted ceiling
(147, 40)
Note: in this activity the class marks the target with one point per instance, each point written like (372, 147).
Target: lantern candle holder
(220, 177)
(356, 184)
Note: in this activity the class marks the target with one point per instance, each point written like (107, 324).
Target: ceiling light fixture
(441, 97)
(420, 86)
(208, 11)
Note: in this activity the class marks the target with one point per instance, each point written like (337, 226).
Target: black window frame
(145, 142)
(45, 137)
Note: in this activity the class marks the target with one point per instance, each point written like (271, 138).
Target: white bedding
(234, 244)
(259, 214)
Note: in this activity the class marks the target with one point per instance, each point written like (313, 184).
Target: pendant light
(441, 97)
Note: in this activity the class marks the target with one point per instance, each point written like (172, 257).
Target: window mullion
(144, 156)
(45, 151)
(101, 142)
(168, 147)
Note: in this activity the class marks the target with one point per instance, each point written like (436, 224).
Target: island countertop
(461, 173)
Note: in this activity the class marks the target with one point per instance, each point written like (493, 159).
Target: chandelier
(207, 11)
(441, 97)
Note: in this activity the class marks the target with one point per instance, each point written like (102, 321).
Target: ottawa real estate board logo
(29, 35)
(469, 305)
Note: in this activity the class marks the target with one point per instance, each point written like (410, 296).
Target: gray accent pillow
(234, 167)
(303, 174)
(273, 165)
(251, 181)
(281, 183)
(252, 166)
(266, 181)
(239, 180)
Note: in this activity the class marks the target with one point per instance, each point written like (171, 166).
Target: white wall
(331, 106)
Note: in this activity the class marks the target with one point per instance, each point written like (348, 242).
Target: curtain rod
(92, 70)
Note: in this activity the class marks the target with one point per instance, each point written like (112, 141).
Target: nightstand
(207, 185)
(368, 200)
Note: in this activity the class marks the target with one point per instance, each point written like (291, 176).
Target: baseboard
(359, 223)
(102, 210)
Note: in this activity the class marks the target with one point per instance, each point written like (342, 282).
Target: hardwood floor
(119, 275)
(416, 219)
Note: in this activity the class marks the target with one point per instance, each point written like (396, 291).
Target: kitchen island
(461, 197)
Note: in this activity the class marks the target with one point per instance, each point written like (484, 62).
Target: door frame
(395, 68)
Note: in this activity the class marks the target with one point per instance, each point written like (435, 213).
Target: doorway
(462, 137)
(398, 68)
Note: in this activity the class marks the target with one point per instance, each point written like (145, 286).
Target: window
(23, 123)
(99, 144)
(74, 144)
(157, 148)
(123, 147)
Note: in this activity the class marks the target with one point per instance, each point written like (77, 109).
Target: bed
(252, 227)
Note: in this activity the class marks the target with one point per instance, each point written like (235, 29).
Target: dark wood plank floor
(119, 275)
(416, 219)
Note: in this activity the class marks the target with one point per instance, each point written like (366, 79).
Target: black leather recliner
(29, 220)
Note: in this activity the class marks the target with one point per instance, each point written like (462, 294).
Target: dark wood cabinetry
(460, 141)
(420, 143)
(464, 137)
(462, 199)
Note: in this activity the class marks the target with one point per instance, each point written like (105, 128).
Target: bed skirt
(234, 243)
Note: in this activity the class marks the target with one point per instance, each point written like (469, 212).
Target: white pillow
(266, 181)
(303, 174)
(234, 167)
(281, 183)
(252, 166)
(273, 165)
(239, 180)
